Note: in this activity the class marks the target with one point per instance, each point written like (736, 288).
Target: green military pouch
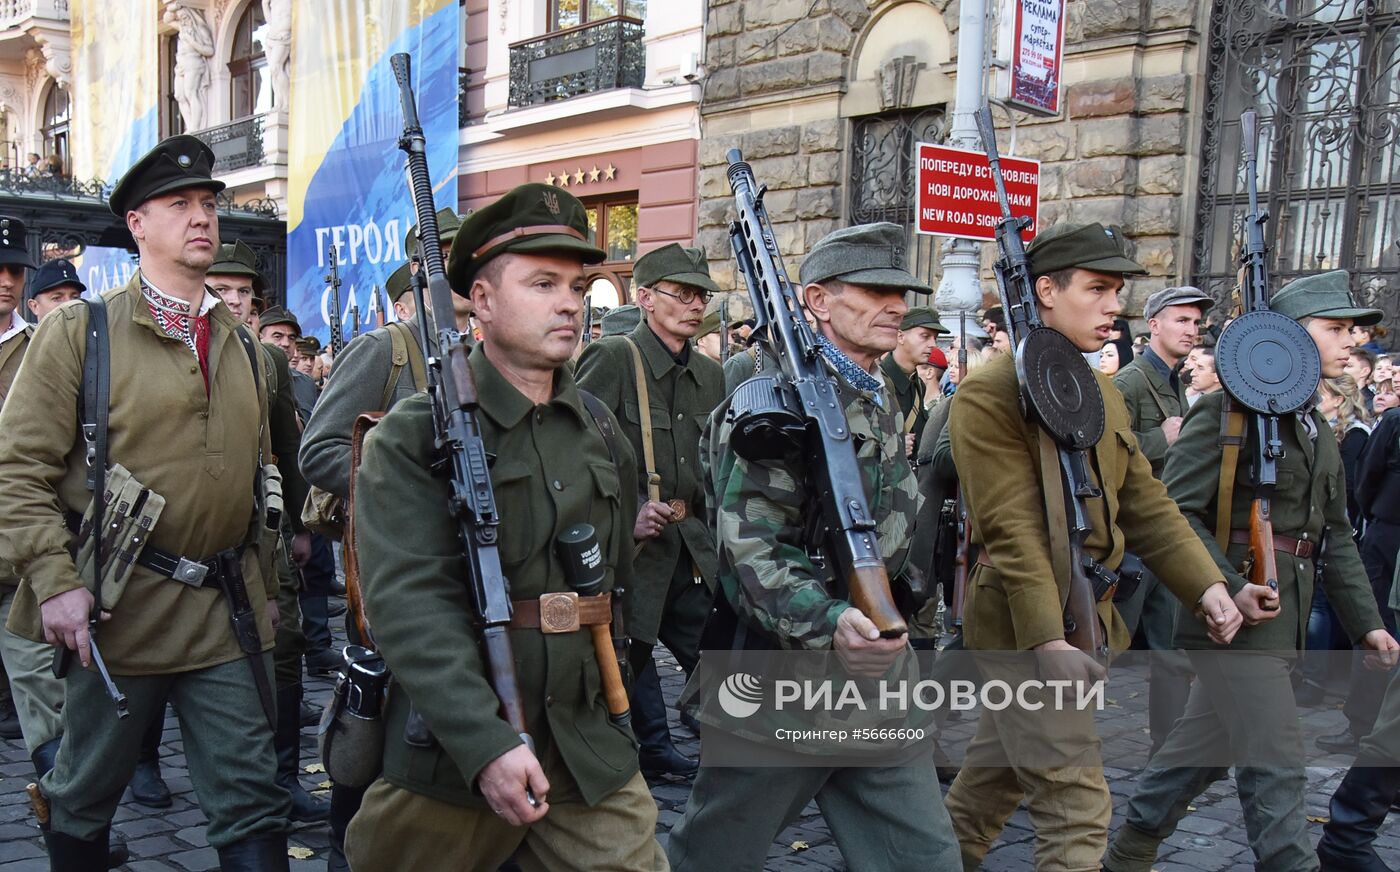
(130, 512)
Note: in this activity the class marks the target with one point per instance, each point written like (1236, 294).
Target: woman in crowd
(1385, 398)
(1366, 337)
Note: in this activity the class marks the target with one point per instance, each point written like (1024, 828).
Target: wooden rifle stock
(1083, 627)
(1263, 563)
(870, 592)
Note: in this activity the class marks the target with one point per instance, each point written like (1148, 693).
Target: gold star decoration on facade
(564, 179)
(578, 176)
(594, 173)
(549, 179)
(610, 172)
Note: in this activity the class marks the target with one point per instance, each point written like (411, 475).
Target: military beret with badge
(533, 218)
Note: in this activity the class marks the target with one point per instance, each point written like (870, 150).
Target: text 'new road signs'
(957, 197)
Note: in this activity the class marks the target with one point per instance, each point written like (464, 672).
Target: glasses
(687, 295)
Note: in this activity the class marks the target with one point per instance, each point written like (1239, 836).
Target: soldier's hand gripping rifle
(1269, 365)
(1052, 374)
(458, 433)
(333, 282)
(801, 408)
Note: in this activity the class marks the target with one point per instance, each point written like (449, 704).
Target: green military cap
(1085, 246)
(709, 324)
(279, 315)
(872, 255)
(237, 260)
(621, 319)
(530, 219)
(400, 282)
(674, 263)
(1182, 296)
(448, 225)
(176, 162)
(923, 316)
(1326, 295)
(309, 345)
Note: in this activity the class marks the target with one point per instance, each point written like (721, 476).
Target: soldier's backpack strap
(1232, 438)
(599, 411)
(96, 405)
(399, 357)
(354, 598)
(644, 410)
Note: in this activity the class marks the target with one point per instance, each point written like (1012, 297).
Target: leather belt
(1300, 548)
(184, 570)
(561, 612)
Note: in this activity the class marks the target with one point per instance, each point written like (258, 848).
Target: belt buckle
(190, 572)
(559, 612)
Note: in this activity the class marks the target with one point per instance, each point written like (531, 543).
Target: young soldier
(1156, 399)
(918, 335)
(884, 818)
(1232, 695)
(462, 803)
(654, 379)
(1016, 595)
(188, 420)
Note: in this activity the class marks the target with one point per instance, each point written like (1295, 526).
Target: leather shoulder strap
(1232, 437)
(400, 356)
(644, 410)
(601, 418)
(97, 397)
(1056, 511)
(354, 599)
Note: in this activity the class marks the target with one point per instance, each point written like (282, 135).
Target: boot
(658, 754)
(1131, 850)
(345, 801)
(9, 720)
(287, 742)
(69, 854)
(309, 714)
(256, 854)
(1359, 808)
(323, 661)
(1348, 741)
(147, 785)
(44, 757)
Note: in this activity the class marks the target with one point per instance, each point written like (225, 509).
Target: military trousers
(1153, 609)
(289, 641)
(227, 743)
(1379, 548)
(38, 696)
(881, 818)
(397, 829)
(1245, 699)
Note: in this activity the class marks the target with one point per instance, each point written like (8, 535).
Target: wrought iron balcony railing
(597, 56)
(237, 144)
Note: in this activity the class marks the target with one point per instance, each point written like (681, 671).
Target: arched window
(250, 91)
(55, 130)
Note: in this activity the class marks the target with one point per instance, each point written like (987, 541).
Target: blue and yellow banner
(346, 184)
(116, 83)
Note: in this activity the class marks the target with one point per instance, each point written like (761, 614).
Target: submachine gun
(1270, 367)
(1059, 393)
(799, 410)
(333, 282)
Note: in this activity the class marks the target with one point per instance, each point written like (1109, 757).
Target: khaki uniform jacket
(1311, 494)
(198, 449)
(1017, 602)
(284, 433)
(11, 355)
(681, 399)
(1150, 401)
(551, 470)
(909, 390)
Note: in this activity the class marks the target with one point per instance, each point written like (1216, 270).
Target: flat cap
(530, 219)
(621, 319)
(674, 263)
(175, 163)
(1182, 296)
(1325, 295)
(449, 224)
(54, 274)
(1085, 246)
(923, 316)
(400, 282)
(237, 260)
(709, 324)
(279, 315)
(871, 255)
(14, 247)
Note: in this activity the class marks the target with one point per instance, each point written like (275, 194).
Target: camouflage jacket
(761, 515)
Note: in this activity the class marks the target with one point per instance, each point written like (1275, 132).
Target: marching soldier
(918, 335)
(459, 800)
(1015, 596)
(663, 391)
(188, 422)
(854, 283)
(1156, 399)
(1232, 695)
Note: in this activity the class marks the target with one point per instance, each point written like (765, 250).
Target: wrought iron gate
(1325, 78)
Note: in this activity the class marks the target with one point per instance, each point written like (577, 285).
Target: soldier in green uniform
(459, 802)
(188, 420)
(1232, 696)
(621, 320)
(1017, 589)
(918, 335)
(663, 390)
(1156, 399)
(854, 281)
(15, 332)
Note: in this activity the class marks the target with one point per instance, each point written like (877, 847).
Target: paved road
(1212, 838)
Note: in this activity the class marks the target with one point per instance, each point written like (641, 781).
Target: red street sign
(956, 195)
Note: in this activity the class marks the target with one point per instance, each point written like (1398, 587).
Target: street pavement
(1211, 839)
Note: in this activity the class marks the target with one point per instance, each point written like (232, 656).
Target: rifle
(771, 414)
(587, 335)
(1083, 627)
(962, 558)
(333, 281)
(457, 431)
(723, 330)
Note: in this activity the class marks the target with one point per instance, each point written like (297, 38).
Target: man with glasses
(662, 391)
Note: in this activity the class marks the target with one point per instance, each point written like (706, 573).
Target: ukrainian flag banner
(115, 49)
(346, 183)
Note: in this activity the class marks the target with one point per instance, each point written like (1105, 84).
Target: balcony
(237, 144)
(598, 56)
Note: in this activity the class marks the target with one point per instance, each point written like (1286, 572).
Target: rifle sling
(1056, 511)
(97, 396)
(644, 410)
(1232, 438)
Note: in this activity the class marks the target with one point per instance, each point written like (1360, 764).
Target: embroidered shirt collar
(173, 315)
(851, 371)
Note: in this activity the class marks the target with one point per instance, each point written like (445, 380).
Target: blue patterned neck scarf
(850, 371)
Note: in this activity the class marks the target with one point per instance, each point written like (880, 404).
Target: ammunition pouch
(352, 726)
(767, 418)
(129, 515)
(324, 513)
